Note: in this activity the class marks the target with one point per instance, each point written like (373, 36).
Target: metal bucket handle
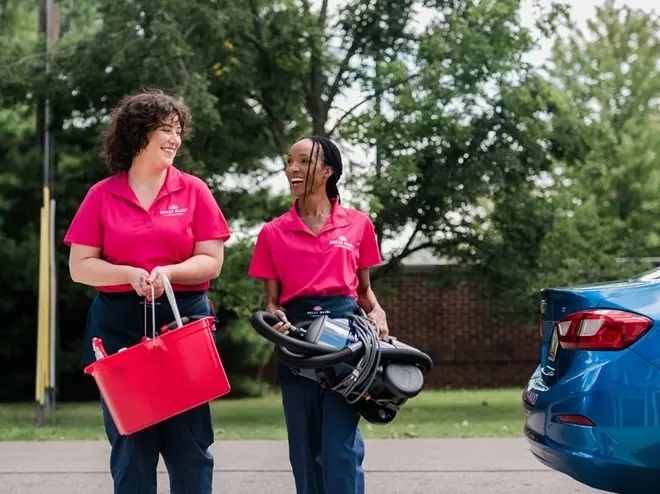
(172, 300)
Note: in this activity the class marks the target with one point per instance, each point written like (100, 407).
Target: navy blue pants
(183, 440)
(326, 448)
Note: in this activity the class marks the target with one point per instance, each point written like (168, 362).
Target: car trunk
(558, 303)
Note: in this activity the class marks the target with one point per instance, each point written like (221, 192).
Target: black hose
(393, 355)
(263, 323)
(315, 362)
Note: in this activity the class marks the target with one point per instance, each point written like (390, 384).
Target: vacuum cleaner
(345, 355)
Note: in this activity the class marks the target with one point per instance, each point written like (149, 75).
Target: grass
(432, 414)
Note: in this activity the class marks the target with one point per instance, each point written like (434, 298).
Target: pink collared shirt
(111, 218)
(308, 265)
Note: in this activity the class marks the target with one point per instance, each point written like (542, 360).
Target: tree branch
(411, 239)
(266, 101)
(258, 44)
(256, 21)
(275, 123)
(189, 31)
(343, 67)
(315, 105)
(406, 252)
(384, 269)
(323, 14)
(4, 11)
(314, 101)
(394, 261)
(269, 174)
(375, 94)
(276, 130)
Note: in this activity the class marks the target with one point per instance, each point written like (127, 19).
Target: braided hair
(332, 158)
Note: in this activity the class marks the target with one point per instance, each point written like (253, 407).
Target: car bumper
(621, 452)
(595, 471)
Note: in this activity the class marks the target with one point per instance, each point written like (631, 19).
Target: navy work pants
(183, 440)
(326, 448)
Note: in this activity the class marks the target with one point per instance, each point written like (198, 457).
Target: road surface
(397, 466)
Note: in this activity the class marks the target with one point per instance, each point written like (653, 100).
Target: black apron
(307, 308)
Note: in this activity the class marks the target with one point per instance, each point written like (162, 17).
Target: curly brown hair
(133, 119)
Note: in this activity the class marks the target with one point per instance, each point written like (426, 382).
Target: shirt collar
(118, 185)
(338, 218)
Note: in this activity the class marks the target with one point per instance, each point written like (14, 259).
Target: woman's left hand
(380, 320)
(155, 279)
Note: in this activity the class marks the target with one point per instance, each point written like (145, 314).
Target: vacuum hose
(264, 321)
(367, 351)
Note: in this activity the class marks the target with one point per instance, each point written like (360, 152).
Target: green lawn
(490, 413)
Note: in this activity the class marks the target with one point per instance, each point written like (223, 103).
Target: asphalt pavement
(396, 466)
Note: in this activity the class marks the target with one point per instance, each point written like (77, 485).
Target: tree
(472, 123)
(20, 192)
(612, 71)
(593, 218)
(462, 124)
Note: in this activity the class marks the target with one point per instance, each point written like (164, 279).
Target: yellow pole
(43, 329)
(45, 382)
(38, 393)
(46, 312)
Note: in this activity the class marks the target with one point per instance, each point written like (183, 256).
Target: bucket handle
(170, 296)
(172, 300)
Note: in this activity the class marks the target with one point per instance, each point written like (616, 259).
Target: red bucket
(162, 376)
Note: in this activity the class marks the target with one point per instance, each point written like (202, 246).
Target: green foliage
(464, 121)
(482, 156)
(236, 297)
(612, 71)
(537, 239)
(591, 216)
(233, 290)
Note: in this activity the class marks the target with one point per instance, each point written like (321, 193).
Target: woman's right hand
(285, 325)
(137, 278)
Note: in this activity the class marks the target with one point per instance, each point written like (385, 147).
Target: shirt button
(149, 224)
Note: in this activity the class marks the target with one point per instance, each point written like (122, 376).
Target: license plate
(554, 344)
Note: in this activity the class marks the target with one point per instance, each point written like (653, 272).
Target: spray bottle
(99, 351)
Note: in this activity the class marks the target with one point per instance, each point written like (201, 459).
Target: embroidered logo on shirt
(342, 242)
(173, 210)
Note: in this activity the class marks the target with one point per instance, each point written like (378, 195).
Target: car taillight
(576, 420)
(601, 329)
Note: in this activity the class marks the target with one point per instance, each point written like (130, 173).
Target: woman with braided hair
(315, 261)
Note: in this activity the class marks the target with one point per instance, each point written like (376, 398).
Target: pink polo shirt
(111, 217)
(308, 265)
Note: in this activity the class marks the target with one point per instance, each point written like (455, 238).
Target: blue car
(592, 406)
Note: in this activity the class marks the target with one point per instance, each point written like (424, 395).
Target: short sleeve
(369, 251)
(86, 228)
(209, 222)
(262, 265)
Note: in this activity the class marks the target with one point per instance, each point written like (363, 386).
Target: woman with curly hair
(147, 221)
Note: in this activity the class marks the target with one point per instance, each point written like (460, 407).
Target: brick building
(453, 325)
